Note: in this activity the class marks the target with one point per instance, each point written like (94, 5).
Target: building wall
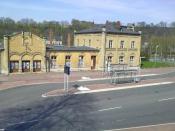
(102, 39)
(23, 47)
(74, 60)
(29, 47)
(4, 57)
(96, 41)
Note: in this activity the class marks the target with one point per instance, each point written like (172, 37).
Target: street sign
(67, 70)
(66, 76)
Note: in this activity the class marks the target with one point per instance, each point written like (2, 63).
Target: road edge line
(140, 127)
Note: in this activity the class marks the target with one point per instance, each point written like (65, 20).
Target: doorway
(93, 62)
(14, 66)
(25, 66)
(36, 65)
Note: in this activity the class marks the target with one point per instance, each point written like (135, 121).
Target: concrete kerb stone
(76, 92)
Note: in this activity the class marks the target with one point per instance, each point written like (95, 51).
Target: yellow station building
(93, 49)
(117, 45)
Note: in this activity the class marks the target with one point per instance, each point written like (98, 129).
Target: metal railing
(124, 74)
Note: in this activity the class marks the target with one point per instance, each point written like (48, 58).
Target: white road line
(2, 129)
(112, 89)
(112, 108)
(22, 122)
(166, 99)
(139, 127)
(123, 88)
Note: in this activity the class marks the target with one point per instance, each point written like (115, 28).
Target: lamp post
(47, 57)
(156, 53)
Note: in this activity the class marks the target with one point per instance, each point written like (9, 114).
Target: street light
(156, 53)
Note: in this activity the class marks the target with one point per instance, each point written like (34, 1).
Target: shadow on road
(67, 113)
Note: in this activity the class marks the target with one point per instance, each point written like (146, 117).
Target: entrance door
(25, 66)
(14, 66)
(93, 62)
(36, 66)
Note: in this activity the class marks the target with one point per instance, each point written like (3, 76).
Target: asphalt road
(23, 108)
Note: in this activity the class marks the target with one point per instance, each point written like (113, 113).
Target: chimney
(68, 39)
(50, 36)
(118, 24)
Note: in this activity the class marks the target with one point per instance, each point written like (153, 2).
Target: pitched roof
(57, 37)
(110, 29)
(72, 48)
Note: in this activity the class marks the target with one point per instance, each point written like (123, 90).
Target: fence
(124, 74)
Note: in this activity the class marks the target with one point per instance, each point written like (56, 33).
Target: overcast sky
(126, 11)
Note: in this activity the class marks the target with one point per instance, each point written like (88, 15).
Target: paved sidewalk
(14, 80)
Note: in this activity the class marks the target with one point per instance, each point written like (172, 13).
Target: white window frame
(131, 59)
(132, 44)
(122, 44)
(53, 61)
(81, 61)
(110, 43)
(109, 59)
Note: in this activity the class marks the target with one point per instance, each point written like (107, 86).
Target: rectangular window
(122, 44)
(84, 42)
(53, 62)
(121, 59)
(109, 59)
(131, 59)
(89, 43)
(132, 44)
(81, 61)
(110, 43)
(77, 42)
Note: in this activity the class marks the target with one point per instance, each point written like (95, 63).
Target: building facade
(23, 52)
(26, 52)
(120, 45)
(94, 49)
(80, 58)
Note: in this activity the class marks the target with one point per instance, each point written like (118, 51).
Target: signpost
(66, 76)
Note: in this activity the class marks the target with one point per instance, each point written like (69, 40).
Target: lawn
(149, 64)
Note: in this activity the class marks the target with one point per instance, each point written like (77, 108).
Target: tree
(172, 24)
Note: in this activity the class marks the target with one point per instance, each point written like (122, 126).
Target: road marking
(43, 95)
(2, 129)
(166, 99)
(111, 89)
(122, 88)
(112, 108)
(22, 122)
(139, 127)
(94, 79)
